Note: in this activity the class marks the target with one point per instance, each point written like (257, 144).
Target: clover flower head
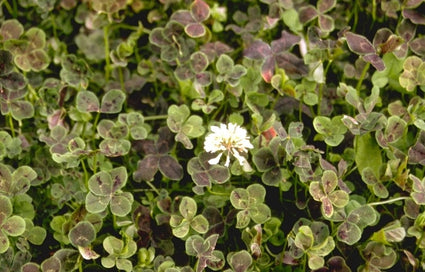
(230, 139)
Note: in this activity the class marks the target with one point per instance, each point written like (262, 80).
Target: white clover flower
(230, 139)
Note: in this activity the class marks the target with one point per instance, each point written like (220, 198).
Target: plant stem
(121, 79)
(86, 175)
(153, 187)
(94, 163)
(362, 76)
(389, 201)
(96, 120)
(320, 96)
(12, 128)
(80, 264)
(156, 117)
(107, 60)
(216, 193)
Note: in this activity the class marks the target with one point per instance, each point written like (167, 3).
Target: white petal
(238, 157)
(227, 161)
(215, 160)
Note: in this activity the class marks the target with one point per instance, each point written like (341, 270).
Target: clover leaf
(29, 51)
(185, 125)
(187, 219)
(379, 256)
(239, 261)
(9, 146)
(18, 182)
(331, 130)
(10, 225)
(207, 104)
(395, 129)
(75, 71)
(203, 250)
(105, 190)
(354, 217)
(13, 89)
(413, 73)
(82, 234)
(250, 204)
(228, 71)
(276, 54)
(112, 101)
(309, 13)
(417, 230)
(267, 159)
(204, 174)
(311, 239)
(192, 19)
(369, 177)
(393, 232)
(324, 191)
(138, 129)
(119, 253)
(364, 48)
(418, 190)
(11, 29)
(157, 158)
(169, 39)
(114, 134)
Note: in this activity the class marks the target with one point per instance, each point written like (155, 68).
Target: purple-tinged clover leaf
(203, 250)
(192, 19)
(11, 29)
(337, 264)
(16, 182)
(369, 177)
(215, 49)
(10, 225)
(82, 234)
(112, 101)
(239, 261)
(416, 153)
(324, 191)
(29, 52)
(276, 54)
(75, 71)
(413, 73)
(138, 129)
(379, 256)
(418, 190)
(407, 31)
(157, 158)
(394, 130)
(364, 48)
(311, 239)
(393, 232)
(309, 13)
(87, 101)
(108, 6)
(204, 174)
(354, 217)
(105, 190)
